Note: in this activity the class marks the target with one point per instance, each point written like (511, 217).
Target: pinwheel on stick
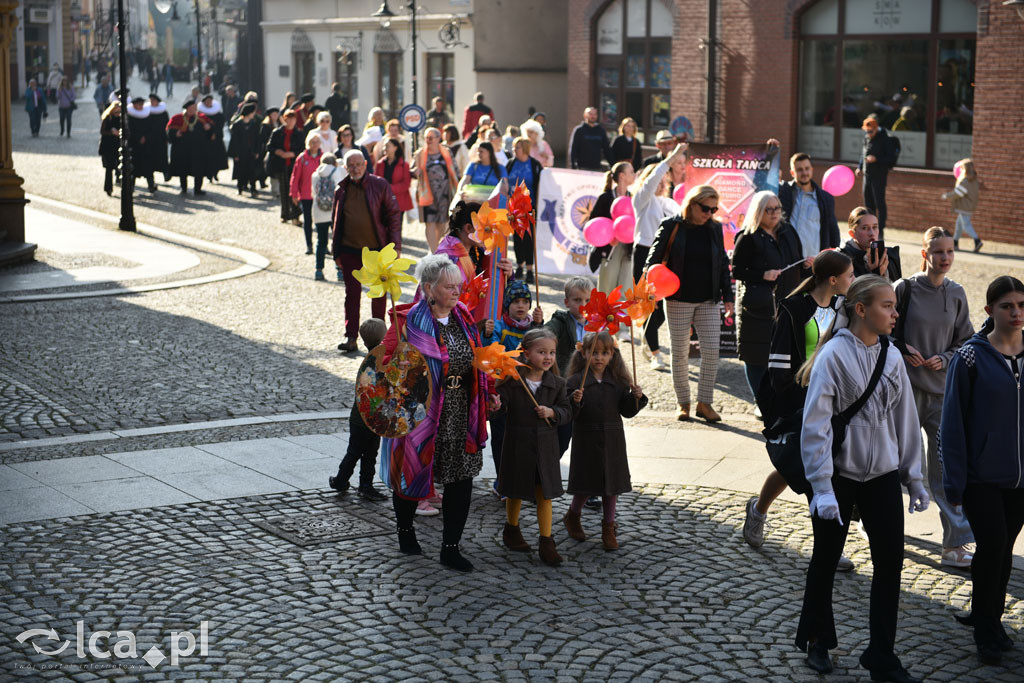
(500, 364)
(641, 301)
(474, 291)
(383, 272)
(603, 312)
(520, 217)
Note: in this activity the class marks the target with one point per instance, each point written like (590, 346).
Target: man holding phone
(867, 251)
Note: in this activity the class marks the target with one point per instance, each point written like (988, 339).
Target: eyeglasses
(773, 209)
(707, 209)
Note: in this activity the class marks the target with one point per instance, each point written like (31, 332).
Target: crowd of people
(847, 359)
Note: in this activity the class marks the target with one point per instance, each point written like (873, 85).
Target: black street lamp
(384, 14)
(127, 221)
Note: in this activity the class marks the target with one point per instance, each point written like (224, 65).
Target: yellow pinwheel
(488, 223)
(384, 272)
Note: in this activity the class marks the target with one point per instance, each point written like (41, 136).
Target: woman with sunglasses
(692, 247)
(762, 262)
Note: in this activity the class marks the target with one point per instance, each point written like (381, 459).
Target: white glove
(826, 506)
(918, 497)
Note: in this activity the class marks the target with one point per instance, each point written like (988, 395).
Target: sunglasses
(707, 209)
(773, 209)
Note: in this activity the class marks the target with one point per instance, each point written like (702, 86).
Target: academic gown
(156, 140)
(190, 149)
(244, 150)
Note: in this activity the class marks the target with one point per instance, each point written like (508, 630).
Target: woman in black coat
(692, 247)
(625, 146)
(110, 138)
(760, 260)
(286, 143)
(156, 140)
(244, 150)
(267, 126)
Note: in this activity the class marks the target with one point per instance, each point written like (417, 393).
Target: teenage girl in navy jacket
(982, 452)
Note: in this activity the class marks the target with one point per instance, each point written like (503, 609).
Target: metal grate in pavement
(316, 528)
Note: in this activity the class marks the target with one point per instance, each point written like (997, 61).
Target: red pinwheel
(605, 311)
(473, 291)
(520, 211)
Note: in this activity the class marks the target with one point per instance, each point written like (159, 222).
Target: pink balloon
(598, 232)
(623, 229)
(838, 180)
(679, 193)
(623, 206)
(957, 172)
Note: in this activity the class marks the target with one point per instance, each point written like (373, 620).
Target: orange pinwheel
(488, 223)
(605, 311)
(474, 291)
(520, 210)
(494, 360)
(641, 300)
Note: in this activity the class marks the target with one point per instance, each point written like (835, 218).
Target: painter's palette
(393, 397)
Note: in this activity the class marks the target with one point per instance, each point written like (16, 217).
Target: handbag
(783, 437)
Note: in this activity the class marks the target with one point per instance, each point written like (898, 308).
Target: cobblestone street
(244, 360)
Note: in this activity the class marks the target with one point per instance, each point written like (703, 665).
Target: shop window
(389, 83)
(908, 62)
(634, 63)
(346, 75)
(441, 79)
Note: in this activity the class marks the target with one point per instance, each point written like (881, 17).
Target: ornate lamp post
(385, 14)
(127, 181)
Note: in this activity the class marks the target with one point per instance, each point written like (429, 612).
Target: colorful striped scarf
(407, 464)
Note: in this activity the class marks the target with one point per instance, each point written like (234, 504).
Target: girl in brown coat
(530, 453)
(598, 465)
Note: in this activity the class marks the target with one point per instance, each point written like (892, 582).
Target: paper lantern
(623, 229)
(623, 206)
(598, 232)
(666, 283)
(838, 180)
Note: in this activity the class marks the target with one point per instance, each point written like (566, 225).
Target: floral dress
(451, 461)
(440, 188)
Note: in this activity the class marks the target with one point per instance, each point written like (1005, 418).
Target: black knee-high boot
(457, 497)
(405, 513)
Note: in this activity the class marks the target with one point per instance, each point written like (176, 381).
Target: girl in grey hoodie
(934, 322)
(882, 449)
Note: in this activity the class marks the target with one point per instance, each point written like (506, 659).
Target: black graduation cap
(138, 98)
(154, 96)
(272, 110)
(308, 97)
(207, 96)
(190, 102)
(248, 109)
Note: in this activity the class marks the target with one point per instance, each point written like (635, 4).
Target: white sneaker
(425, 509)
(436, 501)
(753, 525)
(658, 363)
(959, 557)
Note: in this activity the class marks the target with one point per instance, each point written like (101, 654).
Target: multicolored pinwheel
(384, 272)
(474, 291)
(488, 224)
(605, 311)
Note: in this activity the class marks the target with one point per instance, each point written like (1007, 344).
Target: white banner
(564, 205)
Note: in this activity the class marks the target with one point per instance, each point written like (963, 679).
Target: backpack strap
(848, 414)
(671, 241)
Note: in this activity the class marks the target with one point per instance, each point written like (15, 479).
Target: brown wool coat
(599, 466)
(530, 452)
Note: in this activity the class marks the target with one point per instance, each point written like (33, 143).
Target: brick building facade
(765, 58)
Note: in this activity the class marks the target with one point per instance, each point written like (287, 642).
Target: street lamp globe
(384, 14)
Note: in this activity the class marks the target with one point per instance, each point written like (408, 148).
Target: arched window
(634, 62)
(909, 62)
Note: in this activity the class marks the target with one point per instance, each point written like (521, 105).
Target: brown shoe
(707, 412)
(683, 412)
(573, 526)
(513, 539)
(547, 552)
(348, 346)
(608, 539)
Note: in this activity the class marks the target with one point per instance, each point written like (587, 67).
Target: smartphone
(878, 246)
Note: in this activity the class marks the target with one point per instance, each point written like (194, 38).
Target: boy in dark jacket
(362, 443)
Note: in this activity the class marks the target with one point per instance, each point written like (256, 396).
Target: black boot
(407, 542)
(451, 557)
(818, 659)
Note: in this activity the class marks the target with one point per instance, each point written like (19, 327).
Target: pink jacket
(301, 186)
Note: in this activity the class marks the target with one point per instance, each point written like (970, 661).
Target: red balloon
(666, 283)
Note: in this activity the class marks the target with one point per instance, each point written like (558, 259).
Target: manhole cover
(315, 528)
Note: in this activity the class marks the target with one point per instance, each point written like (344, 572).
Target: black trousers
(996, 516)
(880, 501)
(65, 119)
(874, 196)
(197, 182)
(363, 446)
(658, 317)
(108, 180)
(455, 511)
(288, 209)
(524, 248)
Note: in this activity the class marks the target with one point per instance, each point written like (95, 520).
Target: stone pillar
(13, 248)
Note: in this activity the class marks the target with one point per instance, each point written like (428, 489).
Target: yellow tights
(513, 505)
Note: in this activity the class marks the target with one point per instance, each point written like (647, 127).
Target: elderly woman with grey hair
(446, 447)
